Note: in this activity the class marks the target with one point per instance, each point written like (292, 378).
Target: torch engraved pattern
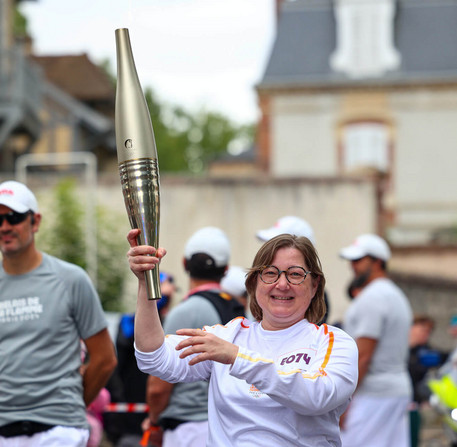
(137, 155)
(140, 187)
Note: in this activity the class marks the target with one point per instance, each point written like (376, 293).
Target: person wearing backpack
(181, 410)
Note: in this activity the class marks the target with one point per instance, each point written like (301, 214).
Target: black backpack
(226, 305)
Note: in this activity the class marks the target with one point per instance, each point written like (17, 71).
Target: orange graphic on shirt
(255, 392)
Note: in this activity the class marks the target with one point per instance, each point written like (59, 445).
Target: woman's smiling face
(284, 304)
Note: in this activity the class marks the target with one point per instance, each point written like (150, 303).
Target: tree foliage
(189, 141)
(20, 23)
(111, 271)
(63, 235)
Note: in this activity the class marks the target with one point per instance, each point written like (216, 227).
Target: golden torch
(137, 155)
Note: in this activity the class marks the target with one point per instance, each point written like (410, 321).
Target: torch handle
(141, 191)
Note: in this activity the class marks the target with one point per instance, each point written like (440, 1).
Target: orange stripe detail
(329, 349)
(331, 341)
(324, 363)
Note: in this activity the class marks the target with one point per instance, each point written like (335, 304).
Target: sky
(195, 53)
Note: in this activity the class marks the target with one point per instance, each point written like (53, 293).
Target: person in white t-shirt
(281, 380)
(379, 319)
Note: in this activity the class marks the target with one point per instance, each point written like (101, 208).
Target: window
(366, 145)
(365, 38)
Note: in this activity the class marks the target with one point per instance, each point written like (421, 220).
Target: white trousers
(377, 422)
(55, 437)
(189, 434)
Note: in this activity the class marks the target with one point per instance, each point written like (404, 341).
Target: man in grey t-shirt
(379, 320)
(47, 306)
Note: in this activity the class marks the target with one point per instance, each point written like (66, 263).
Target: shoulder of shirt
(235, 325)
(379, 287)
(196, 301)
(332, 332)
(195, 312)
(57, 263)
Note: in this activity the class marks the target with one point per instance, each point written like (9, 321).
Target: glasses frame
(286, 274)
(13, 217)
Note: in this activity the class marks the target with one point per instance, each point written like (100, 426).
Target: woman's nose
(282, 280)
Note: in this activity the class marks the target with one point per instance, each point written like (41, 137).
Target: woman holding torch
(281, 380)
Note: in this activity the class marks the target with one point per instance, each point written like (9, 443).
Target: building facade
(363, 87)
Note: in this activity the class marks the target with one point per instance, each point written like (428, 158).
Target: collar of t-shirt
(203, 288)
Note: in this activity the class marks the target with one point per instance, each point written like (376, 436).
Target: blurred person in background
(127, 384)
(355, 287)
(180, 410)
(353, 290)
(422, 358)
(234, 282)
(379, 320)
(444, 389)
(47, 306)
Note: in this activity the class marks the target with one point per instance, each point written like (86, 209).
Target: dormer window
(365, 38)
(365, 145)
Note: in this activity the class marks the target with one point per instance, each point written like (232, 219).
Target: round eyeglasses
(295, 275)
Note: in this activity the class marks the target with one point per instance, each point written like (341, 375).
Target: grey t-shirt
(382, 312)
(43, 315)
(189, 401)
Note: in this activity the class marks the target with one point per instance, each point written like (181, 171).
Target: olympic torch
(137, 155)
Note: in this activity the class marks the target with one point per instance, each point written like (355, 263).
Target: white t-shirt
(382, 312)
(286, 387)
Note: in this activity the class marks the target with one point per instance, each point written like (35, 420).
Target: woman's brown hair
(317, 308)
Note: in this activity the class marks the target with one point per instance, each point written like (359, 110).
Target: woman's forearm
(149, 334)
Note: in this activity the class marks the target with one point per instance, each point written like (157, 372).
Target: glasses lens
(13, 218)
(296, 275)
(269, 274)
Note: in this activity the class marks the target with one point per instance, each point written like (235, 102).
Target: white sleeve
(328, 382)
(166, 364)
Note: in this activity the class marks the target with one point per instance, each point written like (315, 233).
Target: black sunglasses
(14, 218)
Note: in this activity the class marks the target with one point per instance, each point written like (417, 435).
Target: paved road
(432, 433)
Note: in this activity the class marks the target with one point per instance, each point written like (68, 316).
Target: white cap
(18, 197)
(367, 245)
(211, 241)
(290, 225)
(233, 281)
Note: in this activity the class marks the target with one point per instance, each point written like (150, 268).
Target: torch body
(137, 155)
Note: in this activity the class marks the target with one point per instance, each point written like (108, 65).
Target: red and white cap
(18, 197)
(288, 225)
(367, 245)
